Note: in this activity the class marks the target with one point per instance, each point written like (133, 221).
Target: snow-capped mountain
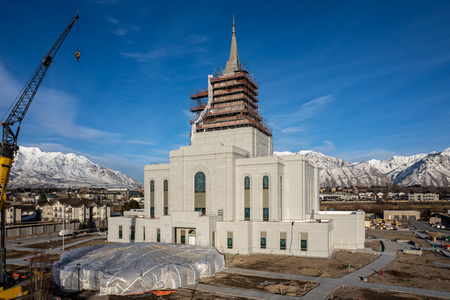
(432, 169)
(396, 164)
(34, 168)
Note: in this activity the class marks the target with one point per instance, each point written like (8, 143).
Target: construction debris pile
(135, 268)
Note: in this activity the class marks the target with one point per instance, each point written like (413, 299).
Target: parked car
(65, 232)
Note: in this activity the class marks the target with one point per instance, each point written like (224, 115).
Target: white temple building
(228, 190)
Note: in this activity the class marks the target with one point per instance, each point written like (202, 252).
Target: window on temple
(282, 240)
(263, 240)
(266, 198)
(166, 197)
(152, 199)
(304, 241)
(247, 198)
(230, 240)
(200, 192)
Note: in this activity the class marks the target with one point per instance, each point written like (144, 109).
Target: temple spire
(233, 63)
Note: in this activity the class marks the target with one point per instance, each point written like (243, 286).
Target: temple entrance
(192, 237)
(185, 236)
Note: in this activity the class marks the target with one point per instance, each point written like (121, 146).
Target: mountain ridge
(34, 168)
(425, 169)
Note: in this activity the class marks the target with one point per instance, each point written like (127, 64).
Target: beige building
(13, 214)
(74, 209)
(401, 215)
(228, 190)
(423, 197)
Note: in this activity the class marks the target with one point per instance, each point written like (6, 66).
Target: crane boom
(23, 102)
(11, 127)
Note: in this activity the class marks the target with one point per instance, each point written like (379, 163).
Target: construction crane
(11, 127)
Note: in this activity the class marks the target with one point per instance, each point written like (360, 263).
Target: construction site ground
(431, 271)
(397, 235)
(268, 285)
(335, 267)
(351, 292)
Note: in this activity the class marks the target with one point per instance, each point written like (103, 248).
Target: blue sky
(354, 79)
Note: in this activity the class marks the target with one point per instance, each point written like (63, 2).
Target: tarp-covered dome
(123, 269)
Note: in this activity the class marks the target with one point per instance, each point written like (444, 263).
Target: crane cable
(77, 54)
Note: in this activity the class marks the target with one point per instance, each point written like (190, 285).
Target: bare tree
(40, 284)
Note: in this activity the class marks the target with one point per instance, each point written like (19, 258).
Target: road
(422, 226)
(10, 244)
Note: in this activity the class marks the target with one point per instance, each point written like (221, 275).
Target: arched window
(266, 182)
(200, 182)
(247, 198)
(200, 192)
(166, 197)
(247, 182)
(265, 198)
(152, 199)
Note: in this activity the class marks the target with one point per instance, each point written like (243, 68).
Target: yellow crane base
(12, 293)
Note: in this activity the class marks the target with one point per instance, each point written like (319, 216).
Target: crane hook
(77, 54)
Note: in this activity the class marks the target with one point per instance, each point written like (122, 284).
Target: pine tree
(42, 200)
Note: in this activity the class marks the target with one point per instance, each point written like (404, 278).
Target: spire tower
(233, 63)
(230, 101)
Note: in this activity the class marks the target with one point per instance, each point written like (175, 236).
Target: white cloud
(10, 88)
(120, 31)
(307, 110)
(139, 142)
(361, 155)
(162, 52)
(52, 111)
(54, 147)
(326, 147)
(110, 19)
(289, 130)
(311, 108)
(196, 39)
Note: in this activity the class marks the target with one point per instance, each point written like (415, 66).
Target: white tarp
(123, 269)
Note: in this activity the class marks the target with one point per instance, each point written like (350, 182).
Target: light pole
(64, 225)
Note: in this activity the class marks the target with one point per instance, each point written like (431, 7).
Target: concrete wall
(21, 230)
(245, 234)
(247, 138)
(349, 230)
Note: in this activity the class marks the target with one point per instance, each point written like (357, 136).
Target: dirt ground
(263, 284)
(13, 254)
(179, 294)
(46, 258)
(414, 271)
(90, 243)
(349, 292)
(372, 244)
(399, 235)
(322, 267)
